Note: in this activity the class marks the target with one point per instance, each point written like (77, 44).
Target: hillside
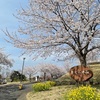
(94, 66)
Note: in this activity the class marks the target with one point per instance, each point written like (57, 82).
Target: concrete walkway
(28, 88)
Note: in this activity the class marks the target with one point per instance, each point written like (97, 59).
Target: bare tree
(59, 27)
(51, 69)
(30, 71)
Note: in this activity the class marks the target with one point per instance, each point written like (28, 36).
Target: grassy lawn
(24, 82)
(55, 93)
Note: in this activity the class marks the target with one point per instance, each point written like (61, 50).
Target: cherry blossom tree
(67, 66)
(5, 62)
(61, 27)
(50, 70)
(30, 71)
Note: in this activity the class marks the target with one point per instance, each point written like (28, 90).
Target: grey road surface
(12, 92)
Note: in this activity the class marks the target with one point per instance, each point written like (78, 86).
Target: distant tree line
(17, 76)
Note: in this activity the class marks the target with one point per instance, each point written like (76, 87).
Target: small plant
(41, 87)
(82, 93)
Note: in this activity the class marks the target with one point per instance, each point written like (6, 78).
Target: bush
(58, 83)
(82, 93)
(52, 83)
(41, 86)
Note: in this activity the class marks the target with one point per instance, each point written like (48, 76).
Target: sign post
(80, 73)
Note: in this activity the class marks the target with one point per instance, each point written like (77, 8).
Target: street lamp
(22, 68)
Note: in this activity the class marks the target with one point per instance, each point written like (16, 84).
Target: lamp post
(22, 69)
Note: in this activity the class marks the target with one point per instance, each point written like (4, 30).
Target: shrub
(52, 83)
(82, 93)
(41, 86)
(58, 83)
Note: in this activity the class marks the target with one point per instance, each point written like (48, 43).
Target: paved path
(28, 88)
(11, 92)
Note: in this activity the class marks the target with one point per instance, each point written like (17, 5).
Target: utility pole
(22, 69)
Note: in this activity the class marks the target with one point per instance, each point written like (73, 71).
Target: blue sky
(7, 20)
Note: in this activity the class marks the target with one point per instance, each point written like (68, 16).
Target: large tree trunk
(83, 61)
